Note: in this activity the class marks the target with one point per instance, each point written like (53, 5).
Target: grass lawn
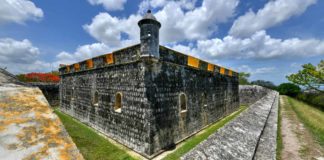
(312, 117)
(91, 145)
(279, 136)
(196, 139)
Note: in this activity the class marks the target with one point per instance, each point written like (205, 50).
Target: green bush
(289, 89)
(315, 99)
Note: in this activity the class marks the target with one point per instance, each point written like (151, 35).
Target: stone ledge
(238, 139)
(267, 145)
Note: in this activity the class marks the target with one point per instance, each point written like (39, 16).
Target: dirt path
(298, 142)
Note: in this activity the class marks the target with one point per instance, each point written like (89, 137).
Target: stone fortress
(148, 97)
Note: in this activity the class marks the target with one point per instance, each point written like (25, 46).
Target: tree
(289, 89)
(310, 76)
(264, 83)
(243, 78)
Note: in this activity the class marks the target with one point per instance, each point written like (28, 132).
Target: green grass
(312, 117)
(91, 145)
(279, 136)
(196, 139)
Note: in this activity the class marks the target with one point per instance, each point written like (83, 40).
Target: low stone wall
(252, 135)
(50, 91)
(249, 94)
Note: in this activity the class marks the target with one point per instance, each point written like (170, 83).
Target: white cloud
(109, 30)
(295, 65)
(21, 56)
(254, 71)
(110, 5)
(82, 52)
(198, 23)
(19, 11)
(273, 13)
(146, 4)
(259, 46)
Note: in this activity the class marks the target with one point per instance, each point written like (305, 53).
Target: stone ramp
(246, 137)
(28, 127)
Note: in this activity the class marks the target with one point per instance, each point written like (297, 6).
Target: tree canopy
(310, 76)
(243, 78)
(289, 89)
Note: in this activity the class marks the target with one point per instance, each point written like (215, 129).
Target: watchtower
(149, 34)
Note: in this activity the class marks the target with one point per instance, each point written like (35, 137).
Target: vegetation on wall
(39, 77)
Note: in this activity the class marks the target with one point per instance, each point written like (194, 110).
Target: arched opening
(118, 102)
(96, 99)
(183, 102)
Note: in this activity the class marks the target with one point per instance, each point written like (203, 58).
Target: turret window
(118, 102)
(95, 101)
(183, 102)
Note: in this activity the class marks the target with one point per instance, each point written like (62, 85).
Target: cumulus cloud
(179, 24)
(259, 46)
(20, 56)
(19, 11)
(110, 30)
(185, 4)
(110, 5)
(273, 13)
(253, 71)
(197, 23)
(82, 52)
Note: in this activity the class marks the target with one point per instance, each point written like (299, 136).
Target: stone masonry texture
(146, 96)
(150, 119)
(252, 135)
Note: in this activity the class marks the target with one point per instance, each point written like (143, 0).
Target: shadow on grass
(91, 145)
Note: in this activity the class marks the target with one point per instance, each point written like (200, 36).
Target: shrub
(39, 77)
(288, 89)
(314, 99)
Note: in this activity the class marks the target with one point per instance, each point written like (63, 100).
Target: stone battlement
(132, 54)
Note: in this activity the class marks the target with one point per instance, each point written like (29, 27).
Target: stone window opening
(72, 94)
(183, 102)
(96, 99)
(118, 102)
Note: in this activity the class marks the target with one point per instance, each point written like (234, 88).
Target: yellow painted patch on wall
(222, 70)
(109, 58)
(193, 62)
(230, 72)
(210, 67)
(89, 63)
(67, 69)
(77, 67)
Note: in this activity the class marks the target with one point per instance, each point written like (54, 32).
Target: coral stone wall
(163, 101)
(249, 94)
(209, 97)
(130, 125)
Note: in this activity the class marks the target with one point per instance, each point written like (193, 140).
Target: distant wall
(249, 94)
(50, 91)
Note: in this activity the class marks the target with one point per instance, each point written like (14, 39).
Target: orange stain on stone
(25, 107)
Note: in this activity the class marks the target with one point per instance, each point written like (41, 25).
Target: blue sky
(268, 39)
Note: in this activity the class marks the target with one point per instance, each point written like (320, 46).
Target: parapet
(132, 54)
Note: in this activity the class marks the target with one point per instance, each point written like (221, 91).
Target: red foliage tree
(41, 77)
